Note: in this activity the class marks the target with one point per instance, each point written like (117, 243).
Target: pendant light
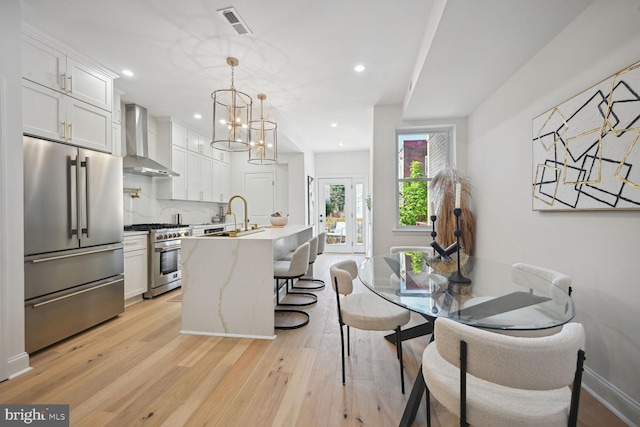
(264, 139)
(231, 117)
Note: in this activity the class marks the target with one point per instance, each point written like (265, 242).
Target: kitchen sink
(236, 233)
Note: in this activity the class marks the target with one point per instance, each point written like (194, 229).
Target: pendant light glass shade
(231, 117)
(263, 148)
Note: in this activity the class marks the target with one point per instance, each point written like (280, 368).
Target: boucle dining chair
(365, 311)
(520, 271)
(497, 380)
(290, 271)
(532, 277)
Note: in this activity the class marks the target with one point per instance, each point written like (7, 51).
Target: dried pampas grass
(442, 192)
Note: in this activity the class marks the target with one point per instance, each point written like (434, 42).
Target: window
(420, 155)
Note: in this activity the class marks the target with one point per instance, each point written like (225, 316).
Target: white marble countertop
(134, 233)
(269, 233)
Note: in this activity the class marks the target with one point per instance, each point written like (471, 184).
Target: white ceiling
(442, 58)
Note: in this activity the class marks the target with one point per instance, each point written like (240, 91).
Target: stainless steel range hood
(137, 159)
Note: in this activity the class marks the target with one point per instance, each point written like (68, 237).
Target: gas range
(159, 232)
(164, 269)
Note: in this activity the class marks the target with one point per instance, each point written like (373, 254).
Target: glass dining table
(478, 292)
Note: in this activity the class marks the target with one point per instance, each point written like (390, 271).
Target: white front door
(341, 213)
(259, 190)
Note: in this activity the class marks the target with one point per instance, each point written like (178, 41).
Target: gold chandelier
(264, 139)
(231, 117)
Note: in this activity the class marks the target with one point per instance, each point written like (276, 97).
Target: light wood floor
(139, 370)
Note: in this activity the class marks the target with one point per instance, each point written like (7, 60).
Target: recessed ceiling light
(197, 116)
(334, 125)
(359, 68)
(127, 73)
(341, 144)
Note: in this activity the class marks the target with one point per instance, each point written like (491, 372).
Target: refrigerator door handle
(85, 164)
(110, 248)
(76, 293)
(72, 196)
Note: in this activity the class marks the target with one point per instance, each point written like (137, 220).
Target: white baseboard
(18, 365)
(614, 399)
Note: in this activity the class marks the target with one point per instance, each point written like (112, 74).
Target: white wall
(290, 182)
(387, 118)
(13, 358)
(342, 164)
(599, 250)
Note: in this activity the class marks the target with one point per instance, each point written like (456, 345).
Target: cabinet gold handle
(70, 84)
(64, 130)
(64, 82)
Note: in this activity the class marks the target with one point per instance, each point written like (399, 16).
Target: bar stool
(308, 277)
(289, 271)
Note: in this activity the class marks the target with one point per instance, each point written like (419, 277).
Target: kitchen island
(228, 287)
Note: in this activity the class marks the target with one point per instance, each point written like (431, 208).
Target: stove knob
(159, 236)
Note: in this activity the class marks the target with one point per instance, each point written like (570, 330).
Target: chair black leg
(428, 400)
(575, 389)
(300, 313)
(348, 342)
(399, 347)
(313, 298)
(342, 352)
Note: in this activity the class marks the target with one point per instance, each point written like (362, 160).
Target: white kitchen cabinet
(51, 114)
(179, 135)
(221, 182)
(135, 265)
(188, 153)
(206, 178)
(221, 156)
(199, 143)
(65, 97)
(179, 164)
(116, 138)
(51, 67)
(199, 177)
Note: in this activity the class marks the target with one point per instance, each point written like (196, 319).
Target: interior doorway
(259, 190)
(341, 213)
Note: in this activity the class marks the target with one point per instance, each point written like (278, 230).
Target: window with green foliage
(421, 154)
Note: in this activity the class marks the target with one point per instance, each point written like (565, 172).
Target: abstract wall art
(586, 153)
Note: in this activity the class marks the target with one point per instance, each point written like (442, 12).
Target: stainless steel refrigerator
(73, 233)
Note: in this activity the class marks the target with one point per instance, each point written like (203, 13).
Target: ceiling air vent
(233, 18)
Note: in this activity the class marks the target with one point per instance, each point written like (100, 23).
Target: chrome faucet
(246, 215)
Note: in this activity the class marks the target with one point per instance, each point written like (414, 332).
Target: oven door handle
(167, 249)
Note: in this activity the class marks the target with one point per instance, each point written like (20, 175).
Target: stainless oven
(164, 270)
(164, 259)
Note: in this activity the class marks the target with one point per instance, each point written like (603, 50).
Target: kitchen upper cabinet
(52, 68)
(189, 153)
(221, 156)
(199, 177)
(176, 186)
(221, 182)
(179, 135)
(199, 143)
(65, 98)
(51, 114)
(135, 266)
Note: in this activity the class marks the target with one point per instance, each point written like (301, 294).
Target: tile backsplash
(148, 209)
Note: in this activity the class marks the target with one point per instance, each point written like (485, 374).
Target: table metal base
(413, 332)
(411, 409)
